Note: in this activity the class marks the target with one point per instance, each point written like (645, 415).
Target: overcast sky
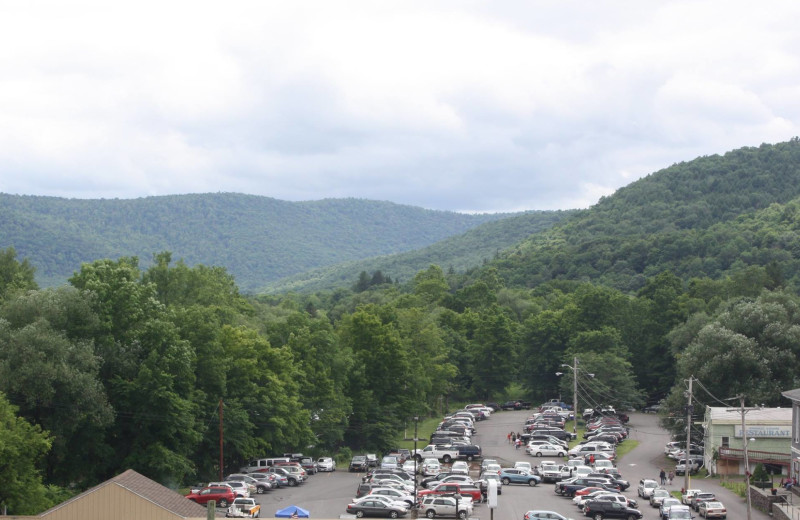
(461, 105)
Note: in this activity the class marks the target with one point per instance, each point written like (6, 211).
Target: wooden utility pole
(688, 449)
(221, 437)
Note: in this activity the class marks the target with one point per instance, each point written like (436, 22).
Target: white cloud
(449, 105)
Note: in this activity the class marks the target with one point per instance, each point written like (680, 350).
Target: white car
(460, 467)
(523, 465)
(410, 466)
(602, 464)
(326, 464)
(389, 501)
(546, 450)
(394, 494)
(431, 467)
(646, 487)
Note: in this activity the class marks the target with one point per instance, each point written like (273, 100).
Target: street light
(574, 368)
(416, 423)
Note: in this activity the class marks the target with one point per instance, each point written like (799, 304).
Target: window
(725, 442)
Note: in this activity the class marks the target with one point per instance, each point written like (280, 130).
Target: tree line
(126, 367)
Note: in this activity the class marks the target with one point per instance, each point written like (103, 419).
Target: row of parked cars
(258, 477)
(704, 503)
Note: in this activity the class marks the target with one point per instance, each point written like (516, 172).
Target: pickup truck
(433, 451)
(465, 490)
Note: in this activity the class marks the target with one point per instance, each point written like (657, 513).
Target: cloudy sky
(455, 105)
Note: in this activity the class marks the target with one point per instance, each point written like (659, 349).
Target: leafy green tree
(493, 353)
(431, 284)
(15, 276)
(22, 447)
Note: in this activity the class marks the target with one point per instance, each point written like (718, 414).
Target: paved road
(326, 495)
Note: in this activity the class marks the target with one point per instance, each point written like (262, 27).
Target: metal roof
(732, 415)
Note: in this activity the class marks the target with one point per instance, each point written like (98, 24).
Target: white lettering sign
(769, 432)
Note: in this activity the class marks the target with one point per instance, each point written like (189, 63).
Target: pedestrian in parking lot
(670, 477)
(663, 476)
(509, 436)
(513, 438)
(518, 444)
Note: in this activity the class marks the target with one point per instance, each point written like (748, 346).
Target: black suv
(600, 509)
(359, 463)
(469, 452)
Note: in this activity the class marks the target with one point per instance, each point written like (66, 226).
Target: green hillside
(461, 252)
(664, 222)
(257, 239)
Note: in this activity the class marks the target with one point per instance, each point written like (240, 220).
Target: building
(794, 396)
(128, 496)
(769, 434)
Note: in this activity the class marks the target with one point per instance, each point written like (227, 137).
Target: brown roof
(149, 490)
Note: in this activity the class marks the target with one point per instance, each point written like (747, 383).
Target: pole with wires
(688, 449)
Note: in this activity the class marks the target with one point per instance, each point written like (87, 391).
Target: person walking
(670, 477)
(663, 476)
(513, 438)
(509, 437)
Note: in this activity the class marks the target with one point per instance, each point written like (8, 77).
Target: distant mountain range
(258, 239)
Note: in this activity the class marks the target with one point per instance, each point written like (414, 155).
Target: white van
(261, 465)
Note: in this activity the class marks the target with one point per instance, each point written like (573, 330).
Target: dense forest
(126, 366)
(257, 239)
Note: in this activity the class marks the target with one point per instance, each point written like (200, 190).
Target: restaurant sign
(768, 432)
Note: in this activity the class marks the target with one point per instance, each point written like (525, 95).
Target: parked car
(545, 450)
(253, 485)
(518, 476)
(657, 496)
(544, 515)
(712, 509)
(646, 487)
(666, 504)
(358, 463)
(679, 513)
(375, 508)
(465, 490)
(431, 467)
(326, 464)
(438, 505)
(698, 498)
(389, 501)
(469, 452)
(390, 462)
(223, 495)
(450, 479)
(460, 467)
(394, 494)
(600, 509)
(244, 508)
(372, 460)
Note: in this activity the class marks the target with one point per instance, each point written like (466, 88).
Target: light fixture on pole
(574, 369)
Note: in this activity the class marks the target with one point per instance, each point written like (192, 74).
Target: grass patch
(424, 430)
(626, 447)
(737, 487)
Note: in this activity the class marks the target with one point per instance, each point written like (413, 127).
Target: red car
(222, 494)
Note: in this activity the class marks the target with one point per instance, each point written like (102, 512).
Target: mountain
(461, 252)
(258, 239)
(686, 219)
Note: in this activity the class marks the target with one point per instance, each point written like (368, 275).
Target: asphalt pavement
(326, 495)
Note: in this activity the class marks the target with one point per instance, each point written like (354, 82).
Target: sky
(471, 106)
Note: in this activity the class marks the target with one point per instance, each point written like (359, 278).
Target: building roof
(147, 489)
(794, 395)
(732, 415)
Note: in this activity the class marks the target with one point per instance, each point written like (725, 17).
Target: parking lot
(326, 495)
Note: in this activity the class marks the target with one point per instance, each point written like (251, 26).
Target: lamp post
(574, 368)
(416, 505)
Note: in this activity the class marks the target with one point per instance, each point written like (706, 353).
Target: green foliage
(22, 446)
(15, 276)
(257, 239)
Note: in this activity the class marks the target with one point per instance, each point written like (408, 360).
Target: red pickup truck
(465, 490)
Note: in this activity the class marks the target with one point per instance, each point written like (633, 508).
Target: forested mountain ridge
(462, 252)
(257, 239)
(659, 223)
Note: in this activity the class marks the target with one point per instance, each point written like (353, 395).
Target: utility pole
(221, 458)
(742, 410)
(575, 394)
(688, 449)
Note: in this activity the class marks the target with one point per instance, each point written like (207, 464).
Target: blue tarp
(287, 512)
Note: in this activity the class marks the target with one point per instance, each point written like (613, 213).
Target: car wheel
(560, 453)
(393, 514)
(430, 513)
(223, 502)
(506, 481)
(631, 517)
(462, 514)
(447, 459)
(360, 514)
(598, 516)
(539, 454)
(532, 482)
(470, 458)
(261, 490)
(292, 482)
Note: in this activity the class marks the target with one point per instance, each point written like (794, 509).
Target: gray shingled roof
(794, 395)
(149, 490)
